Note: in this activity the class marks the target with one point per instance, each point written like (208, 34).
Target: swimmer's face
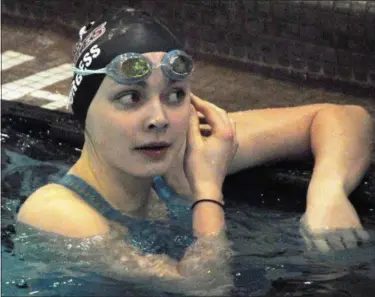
(123, 118)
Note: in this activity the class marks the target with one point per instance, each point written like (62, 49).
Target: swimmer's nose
(158, 124)
(157, 120)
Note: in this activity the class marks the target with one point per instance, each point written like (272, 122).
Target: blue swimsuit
(170, 237)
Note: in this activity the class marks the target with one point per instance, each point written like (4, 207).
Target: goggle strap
(88, 71)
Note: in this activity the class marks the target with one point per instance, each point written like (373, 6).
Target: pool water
(270, 258)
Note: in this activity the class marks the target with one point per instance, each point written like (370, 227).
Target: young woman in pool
(131, 92)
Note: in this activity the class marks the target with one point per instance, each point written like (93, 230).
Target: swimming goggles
(131, 68)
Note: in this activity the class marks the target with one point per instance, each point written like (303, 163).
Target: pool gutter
(288, 179)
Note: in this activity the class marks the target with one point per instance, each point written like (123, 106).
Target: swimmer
(144, 145)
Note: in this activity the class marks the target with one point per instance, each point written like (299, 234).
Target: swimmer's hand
(331, 222)
(207, 158)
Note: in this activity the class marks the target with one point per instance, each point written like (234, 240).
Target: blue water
(270, 257)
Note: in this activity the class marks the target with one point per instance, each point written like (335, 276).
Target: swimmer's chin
(153, 172)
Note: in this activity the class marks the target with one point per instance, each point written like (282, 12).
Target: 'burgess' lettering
(86, 61)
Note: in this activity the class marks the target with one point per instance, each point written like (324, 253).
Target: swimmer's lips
(155, 150)
(154, 146)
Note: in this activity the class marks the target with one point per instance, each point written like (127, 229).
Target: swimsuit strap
(177, 207)
(164, 191)
(93, 198)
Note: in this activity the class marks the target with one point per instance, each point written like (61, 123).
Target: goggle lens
(135, 67)
(181, 64)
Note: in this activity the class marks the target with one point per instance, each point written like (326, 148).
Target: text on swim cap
(85, 62)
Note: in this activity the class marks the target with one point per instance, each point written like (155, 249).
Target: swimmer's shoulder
(54, 208)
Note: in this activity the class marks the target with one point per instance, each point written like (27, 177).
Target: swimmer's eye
(128, 98)
(176, 96)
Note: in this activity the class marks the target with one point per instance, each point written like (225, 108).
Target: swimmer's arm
(105, 253)
(337, 136)
(51, 209)
(109, 256)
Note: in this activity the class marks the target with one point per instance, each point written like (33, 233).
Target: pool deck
(38, 73)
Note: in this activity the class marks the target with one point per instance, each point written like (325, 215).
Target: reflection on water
(270, 258)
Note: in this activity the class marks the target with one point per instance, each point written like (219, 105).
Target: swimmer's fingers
(310, 245)
(303, 230)
(205, 130)
(313, 243)
(335, 240)
(202, 118)
(349, 239)
(216, 117)
(321, 245)
(340, 240)
(362, 235)
(353, 238)
(235, 141)
(194, 134)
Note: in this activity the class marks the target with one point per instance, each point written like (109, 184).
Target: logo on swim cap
(84, 30)
(82, 45)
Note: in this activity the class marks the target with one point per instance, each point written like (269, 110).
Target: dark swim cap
(126, 30)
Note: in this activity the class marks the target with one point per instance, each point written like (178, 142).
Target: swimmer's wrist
(209, 206)
(216, 195)
(218, 203)
(325, 192)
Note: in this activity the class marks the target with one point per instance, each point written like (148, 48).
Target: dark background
(329, 40)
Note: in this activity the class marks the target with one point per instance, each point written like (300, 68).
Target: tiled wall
(332, 40)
